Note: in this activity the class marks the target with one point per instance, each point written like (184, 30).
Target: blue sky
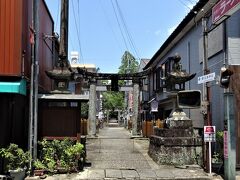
(99, 39)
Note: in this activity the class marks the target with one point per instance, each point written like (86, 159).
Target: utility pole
(229, 137)
(63, 49)
(206, 92)
(33, 109)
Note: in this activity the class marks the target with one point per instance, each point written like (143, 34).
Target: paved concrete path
(114, 155)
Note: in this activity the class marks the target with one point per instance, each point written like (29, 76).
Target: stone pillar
(135, 107)
(119, 118)
(92, 110)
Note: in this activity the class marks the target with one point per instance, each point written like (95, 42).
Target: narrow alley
(114, 155)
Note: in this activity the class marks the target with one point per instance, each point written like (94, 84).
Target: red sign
(209, 129)
(224, 8)
(225, 145)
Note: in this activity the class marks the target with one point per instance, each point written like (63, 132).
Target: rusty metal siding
(26, 46)
(15, 20)
(10, 36)
(45, 45)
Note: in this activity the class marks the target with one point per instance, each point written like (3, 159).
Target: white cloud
(189, 6)
(157, 33)
(171, 29)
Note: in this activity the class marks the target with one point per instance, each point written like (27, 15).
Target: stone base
(179, 124)
(175, 146)
(165, 132)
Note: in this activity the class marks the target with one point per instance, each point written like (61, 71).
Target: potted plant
(39, 168)
(16, 160)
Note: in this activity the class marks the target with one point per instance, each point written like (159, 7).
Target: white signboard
(209, 133)
(206, 78)
(154, 106)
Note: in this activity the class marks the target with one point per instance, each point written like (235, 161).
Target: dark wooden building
(15, 66)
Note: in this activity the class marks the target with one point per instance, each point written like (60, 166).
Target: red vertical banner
(225, 144)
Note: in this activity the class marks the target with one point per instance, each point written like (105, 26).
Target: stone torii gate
(93, 77)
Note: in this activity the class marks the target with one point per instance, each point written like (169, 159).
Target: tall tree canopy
(128, 64)
(115, 100)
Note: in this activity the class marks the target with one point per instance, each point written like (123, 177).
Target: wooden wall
(59, 122)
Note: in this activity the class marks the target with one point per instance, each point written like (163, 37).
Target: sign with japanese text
(154, 106)
(225, 145)
(206, 78)
(209, 134)
(223, 9)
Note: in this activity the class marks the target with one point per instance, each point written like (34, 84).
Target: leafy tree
(129, 64)
(115, 100)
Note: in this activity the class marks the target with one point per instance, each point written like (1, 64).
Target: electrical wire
(130, 39)
(109, 24)
(77, 30)
(71, 42)
(81, 54)
(184, 4)
(191, 1)
(58, 14)
(120, 28)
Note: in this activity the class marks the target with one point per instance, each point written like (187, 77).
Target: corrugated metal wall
(45, 46)
(15, 20)
(10, 36)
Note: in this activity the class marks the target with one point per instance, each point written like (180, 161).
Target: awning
(18, 87)
(64, 97)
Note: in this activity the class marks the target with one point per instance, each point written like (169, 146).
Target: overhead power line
(184, 4)
(119, 25)
(109, 24)
(58, 14)
(81, 53)
(130, 39)
(77, 30)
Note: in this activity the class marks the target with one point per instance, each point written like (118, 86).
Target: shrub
(15, 157)
(57, 154)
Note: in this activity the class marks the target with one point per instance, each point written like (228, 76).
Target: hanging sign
(154, 106)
